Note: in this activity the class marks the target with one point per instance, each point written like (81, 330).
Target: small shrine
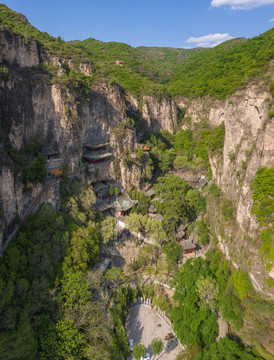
(188, 246)
(56, 173)
(120, 62)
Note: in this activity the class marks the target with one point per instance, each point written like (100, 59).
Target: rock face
(249, 134)
(35, 105)
(15, 49)
(248, 143)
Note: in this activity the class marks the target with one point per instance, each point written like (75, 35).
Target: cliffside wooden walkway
(27, 212)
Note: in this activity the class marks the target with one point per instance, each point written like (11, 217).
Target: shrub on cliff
(263, 194)
(36, 172)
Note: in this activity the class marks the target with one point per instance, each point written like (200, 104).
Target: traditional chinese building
(97, 153)
(91, 148)
(49, 153)
(123, 205)
(119, 62)
(56, 173)
(101, 190)
(180, 233)
(97, 159)
(153, 215)
(150, 193)
(188, 246)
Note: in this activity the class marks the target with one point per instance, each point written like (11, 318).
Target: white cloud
(209, 40)
(241, 4)
(271, 20)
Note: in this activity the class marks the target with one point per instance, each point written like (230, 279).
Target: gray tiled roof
(49, 151)
(124, 203)
(188, 244)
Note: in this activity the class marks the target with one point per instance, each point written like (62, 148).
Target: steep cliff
(36, 104)
(248, 145)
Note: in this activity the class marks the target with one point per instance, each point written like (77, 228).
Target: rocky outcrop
(17, 50)
(160, 114)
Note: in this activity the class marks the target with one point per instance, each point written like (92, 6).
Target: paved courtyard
(143, 325)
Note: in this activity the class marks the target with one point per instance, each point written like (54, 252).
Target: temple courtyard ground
(143, 325)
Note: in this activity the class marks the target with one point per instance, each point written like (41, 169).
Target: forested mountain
(196, 72)
(178, 144)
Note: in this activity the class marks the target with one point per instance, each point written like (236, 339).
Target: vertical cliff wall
(35, 104)
(248, 145)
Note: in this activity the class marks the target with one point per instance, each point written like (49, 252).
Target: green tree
(184, 140)
(108, 226)
(231, 309)
(216, 139)
(196, 201)
(165, 160)
(36, 171)
(87, 200)
(208, 290)
(189, 352)
(226, 349)
(155, 229)
(81, 206)
(157, 346)
(173, 252)
(115, 275)
(200, 229)
(193, 324)
(139, 351)
(239, 279)
(4, 73)
(180, 161)
(75, 289)
(171, 192)
(136, 222)
(84, 248)
(267, 249)
(263, 194)
(111, 190)
(63, 341)
(140, 154)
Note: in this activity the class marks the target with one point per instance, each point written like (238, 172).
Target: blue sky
(175, 23)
